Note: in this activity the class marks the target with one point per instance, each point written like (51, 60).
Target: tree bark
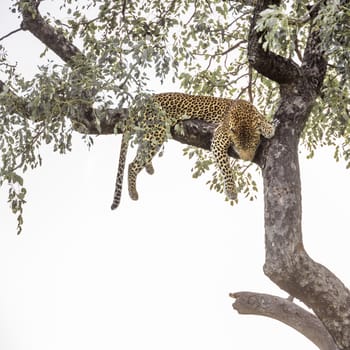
(287, 263)
(287, 312)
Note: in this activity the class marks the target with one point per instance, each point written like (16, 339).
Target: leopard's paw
(133, 195)
(231, 193)
(149, 168)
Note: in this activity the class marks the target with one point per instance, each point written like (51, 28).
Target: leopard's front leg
(219, 147)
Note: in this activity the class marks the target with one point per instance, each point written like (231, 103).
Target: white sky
(155, 273)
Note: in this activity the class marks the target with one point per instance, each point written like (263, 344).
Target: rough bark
(274, 67)
(287, 263)
(287, 312)
(57, 42)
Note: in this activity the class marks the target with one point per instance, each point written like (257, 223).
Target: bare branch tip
(234, 295)
(11, 33)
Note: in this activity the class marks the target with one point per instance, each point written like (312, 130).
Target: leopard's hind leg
(149, 145)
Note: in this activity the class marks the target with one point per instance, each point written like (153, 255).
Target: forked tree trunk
(287, 263)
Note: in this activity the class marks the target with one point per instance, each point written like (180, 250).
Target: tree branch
(272, 66)
(11, 33)
(314, 64)
(192, 132)
(287, 312)
(57, 42)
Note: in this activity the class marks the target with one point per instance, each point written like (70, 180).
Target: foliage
(204, 162)
(131, 47)
(285, 33)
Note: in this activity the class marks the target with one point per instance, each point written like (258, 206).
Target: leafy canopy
(132, 47)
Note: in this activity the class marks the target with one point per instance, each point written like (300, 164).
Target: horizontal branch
(287, 312)
(192, 132)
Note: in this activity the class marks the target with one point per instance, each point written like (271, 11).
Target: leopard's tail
(121, 168)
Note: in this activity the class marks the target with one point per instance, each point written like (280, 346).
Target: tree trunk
(287, 263)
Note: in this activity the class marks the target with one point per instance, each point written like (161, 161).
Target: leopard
(237, 122)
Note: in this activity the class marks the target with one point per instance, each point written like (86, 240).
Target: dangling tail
(121, 167)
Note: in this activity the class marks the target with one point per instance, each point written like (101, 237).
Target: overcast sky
(156, 273)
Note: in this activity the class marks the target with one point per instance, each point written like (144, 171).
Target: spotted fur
(239, 124)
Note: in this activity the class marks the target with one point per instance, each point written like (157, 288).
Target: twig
(223, 52)
(13, 32)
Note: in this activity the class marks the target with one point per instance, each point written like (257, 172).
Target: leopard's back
(177, 105)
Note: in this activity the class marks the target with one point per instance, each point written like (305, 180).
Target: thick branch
(287, 312)
(272, 66)
(57, 42)
(96, 122)
(314, 64)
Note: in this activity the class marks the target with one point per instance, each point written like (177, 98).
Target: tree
(292, 60)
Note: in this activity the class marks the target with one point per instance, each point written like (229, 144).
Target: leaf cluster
(285, 29)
